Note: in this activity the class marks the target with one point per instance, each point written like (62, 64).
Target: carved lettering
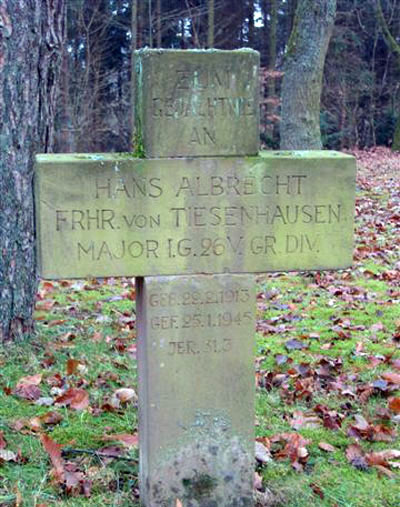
(129, 188)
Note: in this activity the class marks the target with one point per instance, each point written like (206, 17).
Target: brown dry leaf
(301, 421)
(51, 418)
(326, 447)
(27, 387)
(3, 443)
(35, 424)
(368, 431)
(393, 378)
(112, 451)
(125, 394)
(77, 399)
(45, 305)
(257, 481)
(28, 392)
(178, 503)
(57, 322)
(30, 380)
(385, 471)
(295, 449)
(125, 438)
(355, 457)
(263, 455)
(394, 405)
(72, 366)
(54, 451)
(387, 454)
(317, 490)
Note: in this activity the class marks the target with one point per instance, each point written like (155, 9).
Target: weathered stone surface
(197, 103)
(196, 380)
(104, 215)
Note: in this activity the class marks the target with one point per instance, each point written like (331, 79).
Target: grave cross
(191, 221)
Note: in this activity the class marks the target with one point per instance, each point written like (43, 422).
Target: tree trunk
(211, 23)
(250, 13)
(150, 13)
(394, 47)
(30, 47)
(159, 24)
(303, 71)
(272, 50)
(134, 30)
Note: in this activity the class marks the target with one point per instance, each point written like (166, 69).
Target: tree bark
(250, 13)
(303, 72)
(30, 48)
(134, 30)
(272, 51)
(211, 24)
(159, 24)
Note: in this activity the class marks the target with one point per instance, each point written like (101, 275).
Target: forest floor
(327, 371)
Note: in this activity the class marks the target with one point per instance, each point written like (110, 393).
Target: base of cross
(196, 390)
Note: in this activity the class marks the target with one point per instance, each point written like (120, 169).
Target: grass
(340, 483)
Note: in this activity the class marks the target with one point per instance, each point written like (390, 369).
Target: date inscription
(199, 322)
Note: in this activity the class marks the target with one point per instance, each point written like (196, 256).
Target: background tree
(360, 86)
(30, 46)
(303, 73)
(394, 47)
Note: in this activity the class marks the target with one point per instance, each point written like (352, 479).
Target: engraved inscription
(197, 215)
(208, 218)
(201, 95)
(207, 311)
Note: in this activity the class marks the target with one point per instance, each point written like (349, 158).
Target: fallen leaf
(28, 392)
(295, 449)
(6, 455)
(326, 447)
(355, 457)
(44, 305)
(54, 451)
(44, 401)
(301, 421)
(393, 378)
(295, 345)
(125, 438)
(394, 405)
(77, 399)
(27, 387)
(263, 455)
(35, 424)
(111, 452)
(317, 490)
(125, 394)
(3, 443)
(51, 418)
(72, 366)
(257, 481)
(30, 380)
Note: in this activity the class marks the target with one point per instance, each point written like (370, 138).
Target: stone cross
(191, 221)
